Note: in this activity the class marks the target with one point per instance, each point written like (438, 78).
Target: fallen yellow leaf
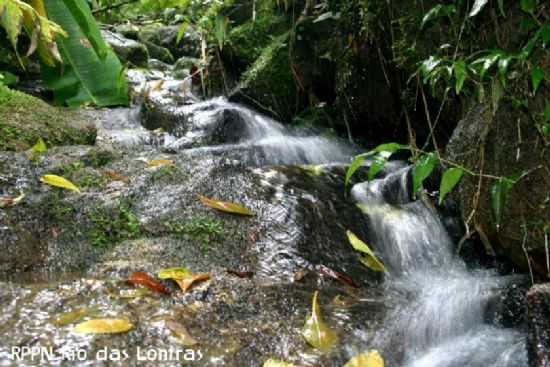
(58, 181)
(225, 206)
(160, 162)
(103, 326)
(71, 316)
(7, 201)
(276, 363)
(181, 332)
(369, 260)
(370, 359)
(315, 331)
(173, 273)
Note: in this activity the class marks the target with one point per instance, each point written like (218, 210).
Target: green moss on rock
(24, 119)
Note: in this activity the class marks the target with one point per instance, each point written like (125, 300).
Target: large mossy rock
(268, 84)
(24, 119)
(166, 36)
(509, 144)
(127, 50)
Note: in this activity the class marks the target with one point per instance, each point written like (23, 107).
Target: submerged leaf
(449, 180)
(103, 326)
(343, 278)
(369, 260)
(181, 332)
(315, 331)
(276, 363)
(370, 359)
(186, 282)
(144, 279)
(225, 206)
(7, 201)
(133, 293)
(58, 181)
(71, 316)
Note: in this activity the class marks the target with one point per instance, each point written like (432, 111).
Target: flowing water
(429, 311)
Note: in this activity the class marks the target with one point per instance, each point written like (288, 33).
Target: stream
(428, 310)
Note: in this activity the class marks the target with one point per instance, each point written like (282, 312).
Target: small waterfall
(258, 139)
(440, 322)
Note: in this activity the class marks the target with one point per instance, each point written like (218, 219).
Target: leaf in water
(343, 278)
(181, 332)
(58, 181)
(354, 166)
(186, 282)
(370, 260)
(477, 7)
(103, 326)
(499, 192)
(71, 316)
(537, 76)
(160, 162)
(144, 279)
(276, 363)
(240, 274)
(7, 201)
(133, 293)
(450, 178)
(315, 331)
(225, 206)
(115, 176)
(422, 169)
(370, 359)
(39, 147)
(173, 273)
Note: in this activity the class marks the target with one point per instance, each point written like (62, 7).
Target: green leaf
(377, 164)
(501, 8)
(60, 182)
(39, 147)
(528, 6)
(8, 78)
(354, 166)
(496, 94)
(91, 72)
(370, 359)
(181, 32)
(477, 7)
(459, 68)
(450, 178)
(499, 193)
(422, 169)
(487, 62)
(220, 30)
(437, 11)
(389, 147)
(315, 331)
(11, 18)
(537, 76)
(547, 111)
(369, 260)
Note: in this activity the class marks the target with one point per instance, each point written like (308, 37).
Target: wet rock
(165, 37)
(127, 50)
(158, 65)
(160, 53)
(128, 30)
(538, 339)
(185, 62)
(528, 199)
(24, 119)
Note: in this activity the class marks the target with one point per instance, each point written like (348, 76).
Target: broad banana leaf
(91, 72)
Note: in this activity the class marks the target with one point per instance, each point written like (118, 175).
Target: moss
(24, 119)
(112, 226)
(202, 229)
(270, 82)
(247, 41)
